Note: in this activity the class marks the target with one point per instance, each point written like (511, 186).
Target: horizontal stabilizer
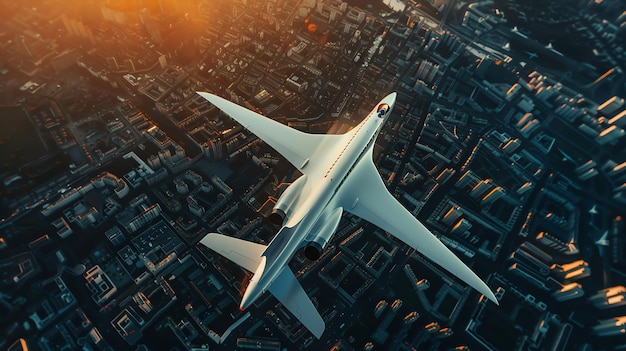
(289, 292)
(244, 253)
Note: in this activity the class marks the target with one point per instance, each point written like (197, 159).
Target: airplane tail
(286, 288)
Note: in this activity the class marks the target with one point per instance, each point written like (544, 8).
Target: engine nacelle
(285, 201)
(322, 232)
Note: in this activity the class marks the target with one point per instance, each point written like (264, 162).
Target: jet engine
(322, 232)
(286, 200)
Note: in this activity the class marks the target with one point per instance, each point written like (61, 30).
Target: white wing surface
(364, 194)
(296, 146)
(289, 292)
(244, 253)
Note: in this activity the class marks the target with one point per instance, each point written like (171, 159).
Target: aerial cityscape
(506, 140)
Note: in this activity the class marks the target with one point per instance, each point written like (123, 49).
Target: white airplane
(338, 174)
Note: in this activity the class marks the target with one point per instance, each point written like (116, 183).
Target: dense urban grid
(507, 141)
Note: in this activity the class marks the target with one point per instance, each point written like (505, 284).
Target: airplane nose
(390, 99)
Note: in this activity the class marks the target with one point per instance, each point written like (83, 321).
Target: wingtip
(207, 239)
(494, 300)
(490, 295)
(318, 332)
(203, 94)
(219, 102)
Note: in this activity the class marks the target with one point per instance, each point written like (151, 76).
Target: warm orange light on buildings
(612, 291)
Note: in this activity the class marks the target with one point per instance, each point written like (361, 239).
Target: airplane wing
(244, 253)
(289, 292)
(296, 146)
(364, 194)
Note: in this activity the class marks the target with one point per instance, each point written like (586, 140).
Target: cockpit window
(382, 110)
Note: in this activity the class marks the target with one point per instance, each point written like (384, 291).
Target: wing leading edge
(364, 194)
(296, 146)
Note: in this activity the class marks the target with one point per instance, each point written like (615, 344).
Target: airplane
(338, 174)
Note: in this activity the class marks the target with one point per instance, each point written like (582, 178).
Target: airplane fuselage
(318, 195)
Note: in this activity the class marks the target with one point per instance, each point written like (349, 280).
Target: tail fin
(244, 253)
